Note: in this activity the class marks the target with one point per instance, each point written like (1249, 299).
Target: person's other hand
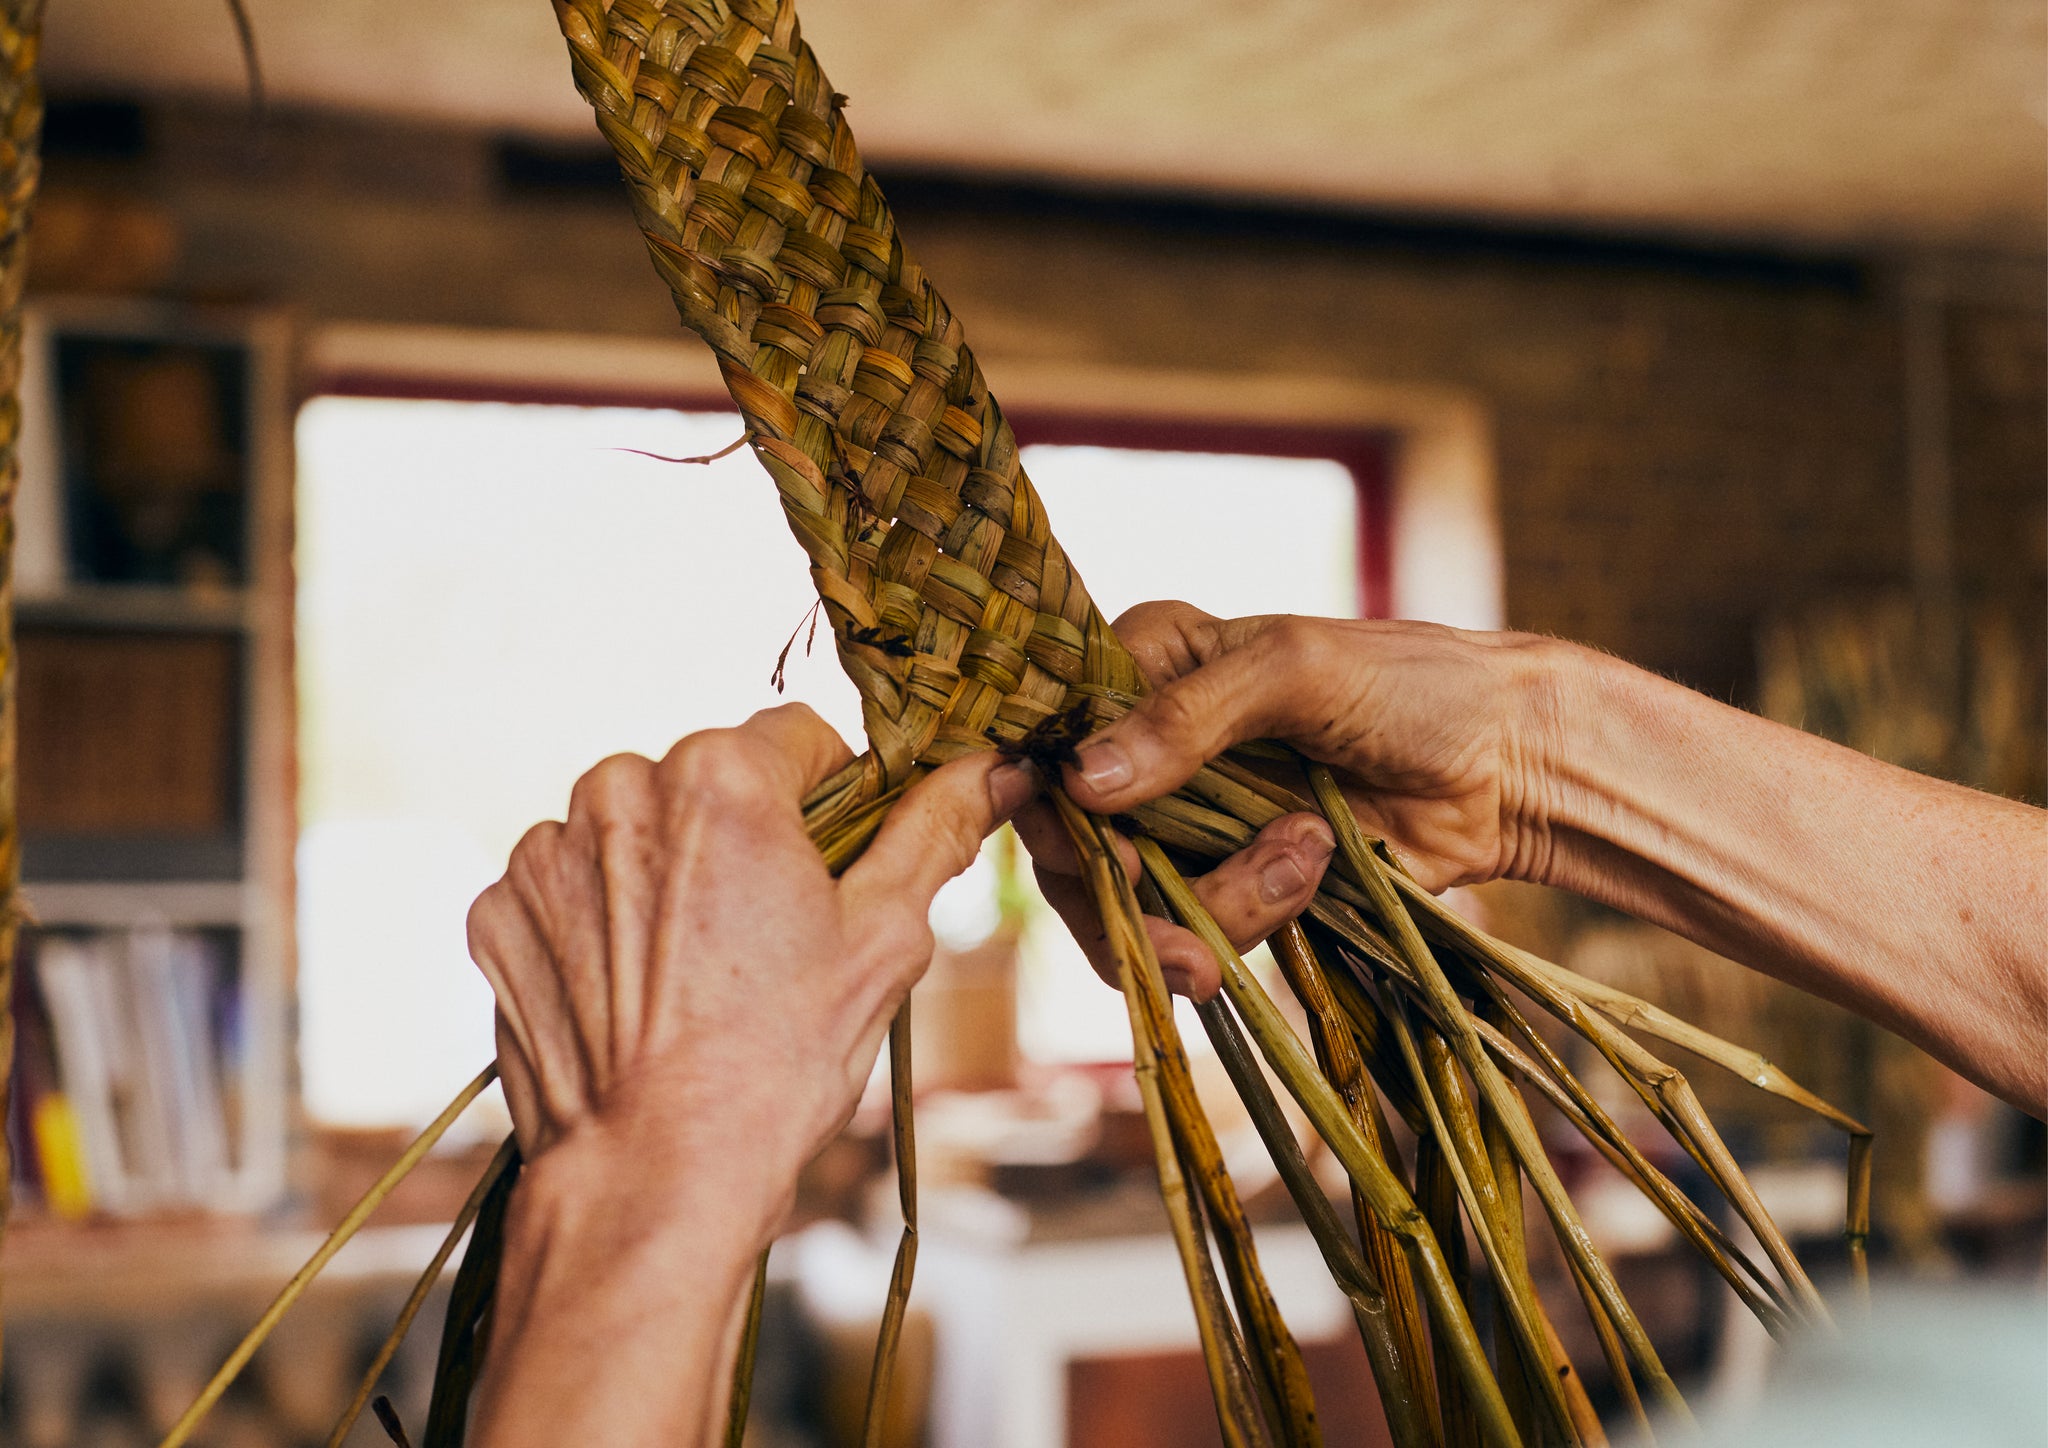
(679, 978)
(1435, 735)
(1439, 735)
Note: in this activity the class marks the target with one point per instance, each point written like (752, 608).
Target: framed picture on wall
(153, 459)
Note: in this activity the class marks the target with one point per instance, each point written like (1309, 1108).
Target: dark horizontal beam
(526, 168)
(538, 169)
(1383, 231)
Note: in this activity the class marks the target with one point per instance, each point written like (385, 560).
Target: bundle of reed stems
(958, 616)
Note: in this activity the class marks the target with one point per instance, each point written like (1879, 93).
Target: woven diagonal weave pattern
(21, 123)
(954, 610)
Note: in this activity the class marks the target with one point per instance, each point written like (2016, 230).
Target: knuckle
(1201, 634)
(1159, 616)
(480, 925)
(1296, 643)
(1180, 712)
(718, 765)
(1424, 631)
(1145, 618)
(536, 848)
(900, 942)
(1166, 637)
(794, 712)
(611, 782)
(1155, 659)
(956, 827)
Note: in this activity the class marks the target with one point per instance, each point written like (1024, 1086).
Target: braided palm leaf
(953, 607)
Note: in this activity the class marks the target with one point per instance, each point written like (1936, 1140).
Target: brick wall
(1688, 439)
(1998, 363)
(1680, 452)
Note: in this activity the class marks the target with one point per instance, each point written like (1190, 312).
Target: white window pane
(1231, 534)
(491, 599)
(1234, 535)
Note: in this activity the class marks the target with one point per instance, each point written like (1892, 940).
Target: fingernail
(1315, 836)
(1104, 765)
(1010, 787)
(1281, 879)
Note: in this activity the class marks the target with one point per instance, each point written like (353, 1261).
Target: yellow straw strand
(336, 1240)
(499, 1163)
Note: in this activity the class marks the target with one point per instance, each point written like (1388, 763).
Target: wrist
(1549, 693)
(612, 1187)
(1609, 738)
(604, 1224)
(618, 1271)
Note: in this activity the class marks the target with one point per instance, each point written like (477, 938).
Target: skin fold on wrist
(1548, 689)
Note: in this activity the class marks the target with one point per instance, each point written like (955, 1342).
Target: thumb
(935, 831)
(1251, 690)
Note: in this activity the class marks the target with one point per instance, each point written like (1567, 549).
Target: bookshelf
(153, 573)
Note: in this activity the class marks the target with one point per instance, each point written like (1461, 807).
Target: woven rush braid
(953, 608)
(21, 125)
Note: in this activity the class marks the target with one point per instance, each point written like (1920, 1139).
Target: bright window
(1232, 534)
(492, 597)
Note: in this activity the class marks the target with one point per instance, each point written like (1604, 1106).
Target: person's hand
(1434, 734)
(688, 1007)
(1439, 736)
(678, 976)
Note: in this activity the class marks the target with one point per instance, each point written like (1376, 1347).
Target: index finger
(1228, 693)
(1169, 638)
(810, 749)
(781, 752)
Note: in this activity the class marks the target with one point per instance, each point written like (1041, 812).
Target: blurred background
(1706, 332)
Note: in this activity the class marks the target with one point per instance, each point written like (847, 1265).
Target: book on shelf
(43, 1141)
(124, 1083)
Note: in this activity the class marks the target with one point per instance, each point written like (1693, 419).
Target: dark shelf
(138, 606)
(129, 858)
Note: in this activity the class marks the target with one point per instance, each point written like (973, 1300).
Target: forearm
(1918, 903)
(619, 1305)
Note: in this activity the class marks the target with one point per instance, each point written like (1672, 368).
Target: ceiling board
(1832, 120)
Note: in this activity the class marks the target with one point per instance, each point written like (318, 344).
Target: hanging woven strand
(21, 126)
(963, 626)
